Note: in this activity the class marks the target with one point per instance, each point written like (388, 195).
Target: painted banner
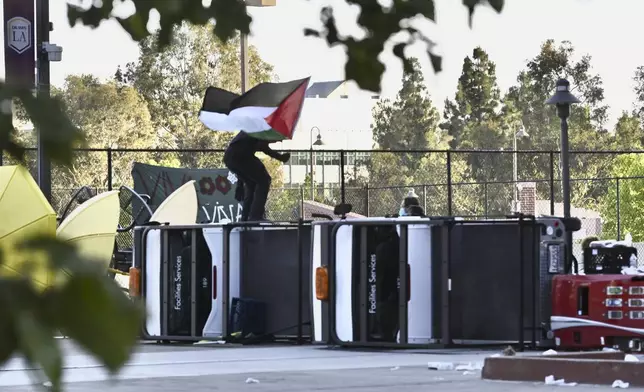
(19, 48)
(215, 193)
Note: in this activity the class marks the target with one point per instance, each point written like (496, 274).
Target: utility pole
(43, 89)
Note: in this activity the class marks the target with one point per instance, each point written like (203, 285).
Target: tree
(628, 168)
(628, 132)
(174, 80)
(410, 123)
(586, 123)
(474, 120)
(476, 102)
(638, 78)
(108, 116)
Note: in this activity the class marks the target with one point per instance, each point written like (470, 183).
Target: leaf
(230, 16)
(311, 33)
(36, 336)
(363, 70)
(94, 312)
(399, 51)
(62, 255)
(471, 5)
(437, 61)
(58, 134)
(496, 4)
(9, 340)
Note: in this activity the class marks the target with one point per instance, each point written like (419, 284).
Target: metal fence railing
(454, 182)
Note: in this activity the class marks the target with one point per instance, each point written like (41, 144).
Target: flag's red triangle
(285, 117)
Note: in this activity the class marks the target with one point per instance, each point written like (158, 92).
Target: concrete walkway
(305, 368)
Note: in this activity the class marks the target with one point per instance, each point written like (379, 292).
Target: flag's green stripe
(270, 135)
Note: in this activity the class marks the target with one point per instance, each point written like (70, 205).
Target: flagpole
(243, 41)
(244, 62)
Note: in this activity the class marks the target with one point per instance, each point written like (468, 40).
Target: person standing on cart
(254, 180)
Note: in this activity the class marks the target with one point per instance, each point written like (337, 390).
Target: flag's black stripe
(218, 100)
(267, 95)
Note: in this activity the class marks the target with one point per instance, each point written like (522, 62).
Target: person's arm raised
(266, 149)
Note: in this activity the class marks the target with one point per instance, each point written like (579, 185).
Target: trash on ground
(470, 366)
(550, 380)
(440, 366)
(549, 352)
(631, 358)
(250, 380)
(620, 384)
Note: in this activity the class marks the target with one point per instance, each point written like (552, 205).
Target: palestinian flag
(268, 111)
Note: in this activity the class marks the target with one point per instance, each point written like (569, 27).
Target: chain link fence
(471, 184)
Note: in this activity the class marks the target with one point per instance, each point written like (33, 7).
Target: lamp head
(562, 95)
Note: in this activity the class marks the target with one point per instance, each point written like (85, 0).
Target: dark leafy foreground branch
(379, 22)
(83, 304)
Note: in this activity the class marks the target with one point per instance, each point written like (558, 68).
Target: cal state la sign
(19, 34)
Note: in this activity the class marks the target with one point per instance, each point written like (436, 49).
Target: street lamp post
(318, 142)
(515, 171)
(243, 41)
(563, 99)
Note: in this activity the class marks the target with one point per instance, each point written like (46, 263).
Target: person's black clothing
(246, 144)
(250, 171)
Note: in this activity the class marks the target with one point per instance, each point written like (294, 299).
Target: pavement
(157, 368)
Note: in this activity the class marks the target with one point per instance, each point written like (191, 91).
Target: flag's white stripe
(250, 119)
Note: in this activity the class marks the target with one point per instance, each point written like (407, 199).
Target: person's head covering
(411, 199)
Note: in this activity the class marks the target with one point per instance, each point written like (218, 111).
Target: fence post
(449, 183)
(366, 199)
(552, 183)
(485, 199)
(109, 169)
(619, 226)
(342, 176)
(302, 202)
(425, 198)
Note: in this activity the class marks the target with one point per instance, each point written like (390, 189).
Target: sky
(610, 31)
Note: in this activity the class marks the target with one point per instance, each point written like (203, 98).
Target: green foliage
(379, 21)
(534, 86)
(473, 121)
(172, 82)
(476, 102)
(410, 122)
(84, 305)
(628, 133)
(631, 199)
